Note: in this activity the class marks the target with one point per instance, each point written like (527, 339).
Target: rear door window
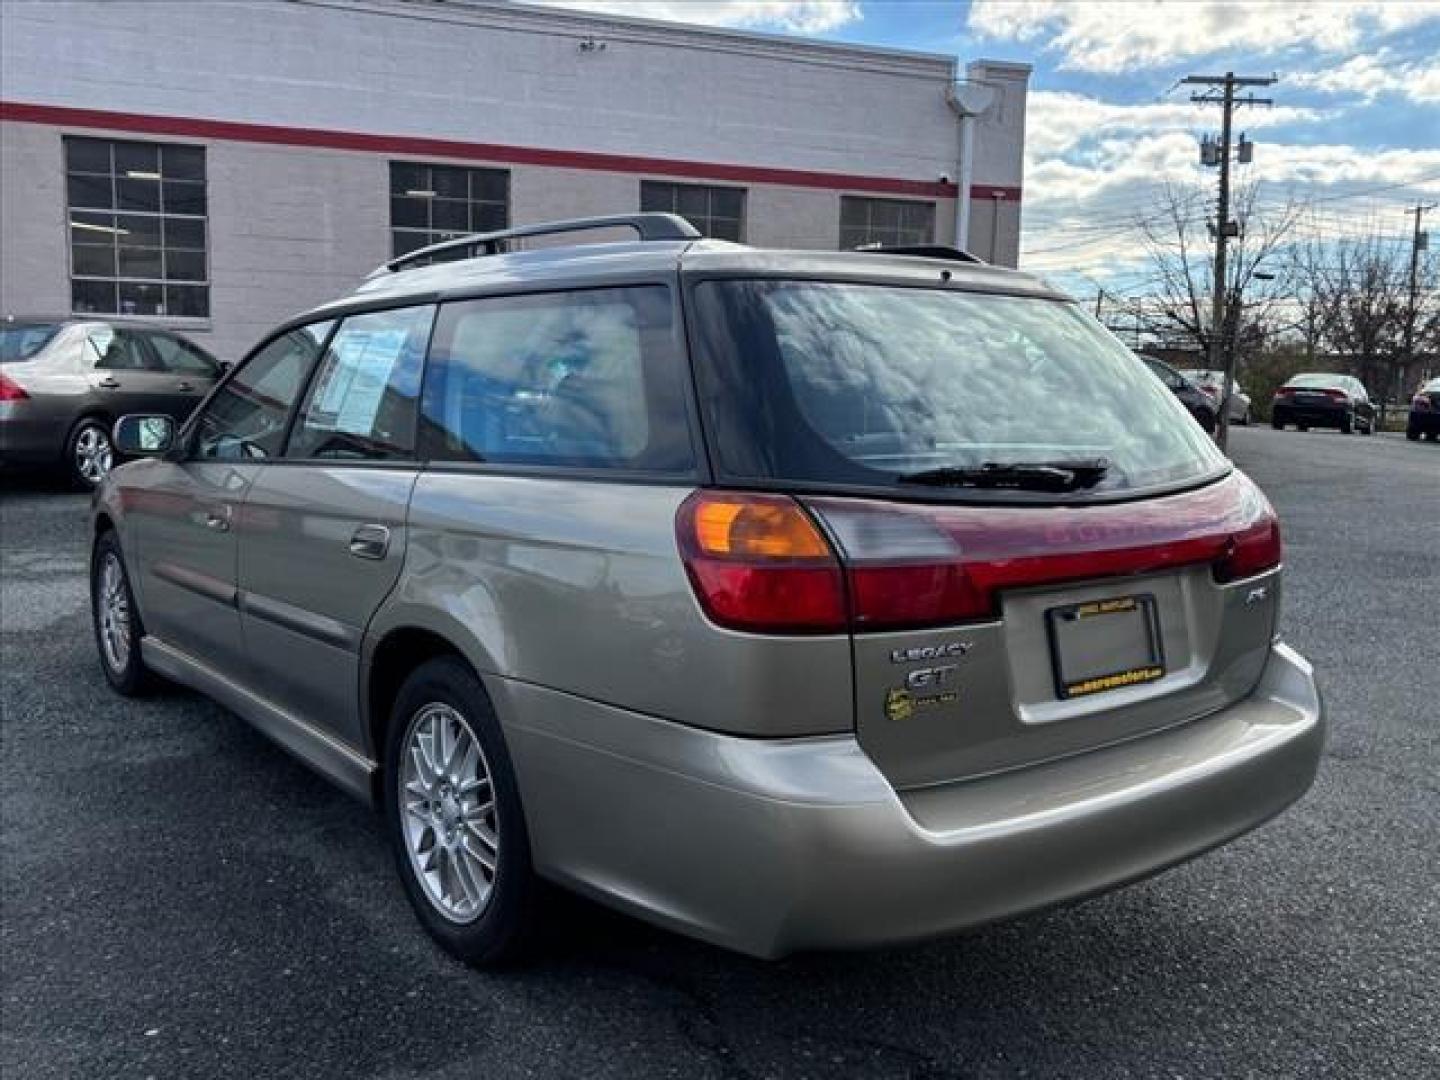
(585, 379)
(363, 400)
(182, 358)
(23, 341)
(861, 384)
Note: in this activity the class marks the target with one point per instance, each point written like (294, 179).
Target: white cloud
(1367, 76)
(1117, 37)
(1056, 121)
(794, 16)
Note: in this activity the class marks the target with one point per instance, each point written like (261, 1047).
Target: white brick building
(217, 166)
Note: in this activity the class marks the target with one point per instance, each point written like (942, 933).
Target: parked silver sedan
(1213, 383)
(63, 383)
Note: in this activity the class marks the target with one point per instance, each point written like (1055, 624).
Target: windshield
(21, 341)
(869, 384)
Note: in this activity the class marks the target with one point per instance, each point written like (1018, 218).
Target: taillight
(1285, 391)
(759, 563)
(1251, 551)
(1421, 403)
(10, 390)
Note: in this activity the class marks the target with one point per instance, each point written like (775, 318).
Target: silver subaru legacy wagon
(791, 600)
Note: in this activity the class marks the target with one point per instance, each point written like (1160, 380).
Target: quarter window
(362, 402)
(890, 222)
(431, 203)
(718, 212)
(137, 214)
(584, 379)
(246, 418)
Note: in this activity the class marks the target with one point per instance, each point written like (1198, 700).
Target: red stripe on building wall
(198, 128)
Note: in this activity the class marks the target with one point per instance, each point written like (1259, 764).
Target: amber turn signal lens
(762, 527)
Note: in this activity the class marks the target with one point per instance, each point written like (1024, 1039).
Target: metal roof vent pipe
(970, 99)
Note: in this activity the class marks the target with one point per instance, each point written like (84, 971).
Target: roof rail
(925, 251)
(648, 226)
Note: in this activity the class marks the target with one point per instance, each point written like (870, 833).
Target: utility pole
(1222, 93)
(1100, 299)
(1419, 243)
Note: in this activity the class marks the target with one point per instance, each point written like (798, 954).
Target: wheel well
(397, 655)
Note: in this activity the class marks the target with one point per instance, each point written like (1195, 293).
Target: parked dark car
(1425, 412)
(1323, 400)
(1200, 405)
(63, 383)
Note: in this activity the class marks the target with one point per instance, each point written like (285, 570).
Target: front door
(189, 372)
(322, 536)
(185, 519)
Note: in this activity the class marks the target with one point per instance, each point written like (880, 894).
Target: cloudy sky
(1355, 133)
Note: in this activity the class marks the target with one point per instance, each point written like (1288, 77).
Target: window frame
(872, 201)
(675, 186)
(160, 216)
(438, 235)
(149, 333)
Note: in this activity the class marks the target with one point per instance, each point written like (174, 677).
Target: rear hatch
(1040, 551)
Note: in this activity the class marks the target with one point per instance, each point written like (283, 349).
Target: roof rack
(648, 226)
(925, 251)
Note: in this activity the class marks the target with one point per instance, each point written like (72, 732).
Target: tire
(483, 922)
(1277, 425)
(89, 453)
(116, 620)
(1369, 428)
(1245, 417)
(1412, 434)
(1302, 427)
(1347, 426)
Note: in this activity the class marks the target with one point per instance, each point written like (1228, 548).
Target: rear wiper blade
(1023, 475)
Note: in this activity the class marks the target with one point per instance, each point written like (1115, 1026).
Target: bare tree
(1358, 288)
(1177, 237)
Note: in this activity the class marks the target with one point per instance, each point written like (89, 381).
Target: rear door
(125, 372)
(323, 533)
(190, 372)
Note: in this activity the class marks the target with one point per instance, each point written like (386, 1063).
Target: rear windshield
(21, 341)
(1317, 381)
(853, 384)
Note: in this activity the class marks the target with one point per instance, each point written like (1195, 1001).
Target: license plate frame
(1142, 649)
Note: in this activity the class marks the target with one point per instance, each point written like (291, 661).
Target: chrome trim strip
(321, 751)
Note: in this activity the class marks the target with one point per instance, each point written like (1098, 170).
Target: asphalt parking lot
(181, 899)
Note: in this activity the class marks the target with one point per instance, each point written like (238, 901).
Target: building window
(715, 211)
(137, 228)
(889, 222)
(431, 203)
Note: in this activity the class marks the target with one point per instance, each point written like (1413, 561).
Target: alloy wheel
(447, 812)
(93, 454)
(112, 606)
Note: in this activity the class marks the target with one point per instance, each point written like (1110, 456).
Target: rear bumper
(1423, 422)
(773, 846)
(1311, 415)
(26, 438)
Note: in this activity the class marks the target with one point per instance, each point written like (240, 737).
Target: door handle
(218, 518)
(109, 383)
(370, 542)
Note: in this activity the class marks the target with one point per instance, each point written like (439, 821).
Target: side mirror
(144, 436)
